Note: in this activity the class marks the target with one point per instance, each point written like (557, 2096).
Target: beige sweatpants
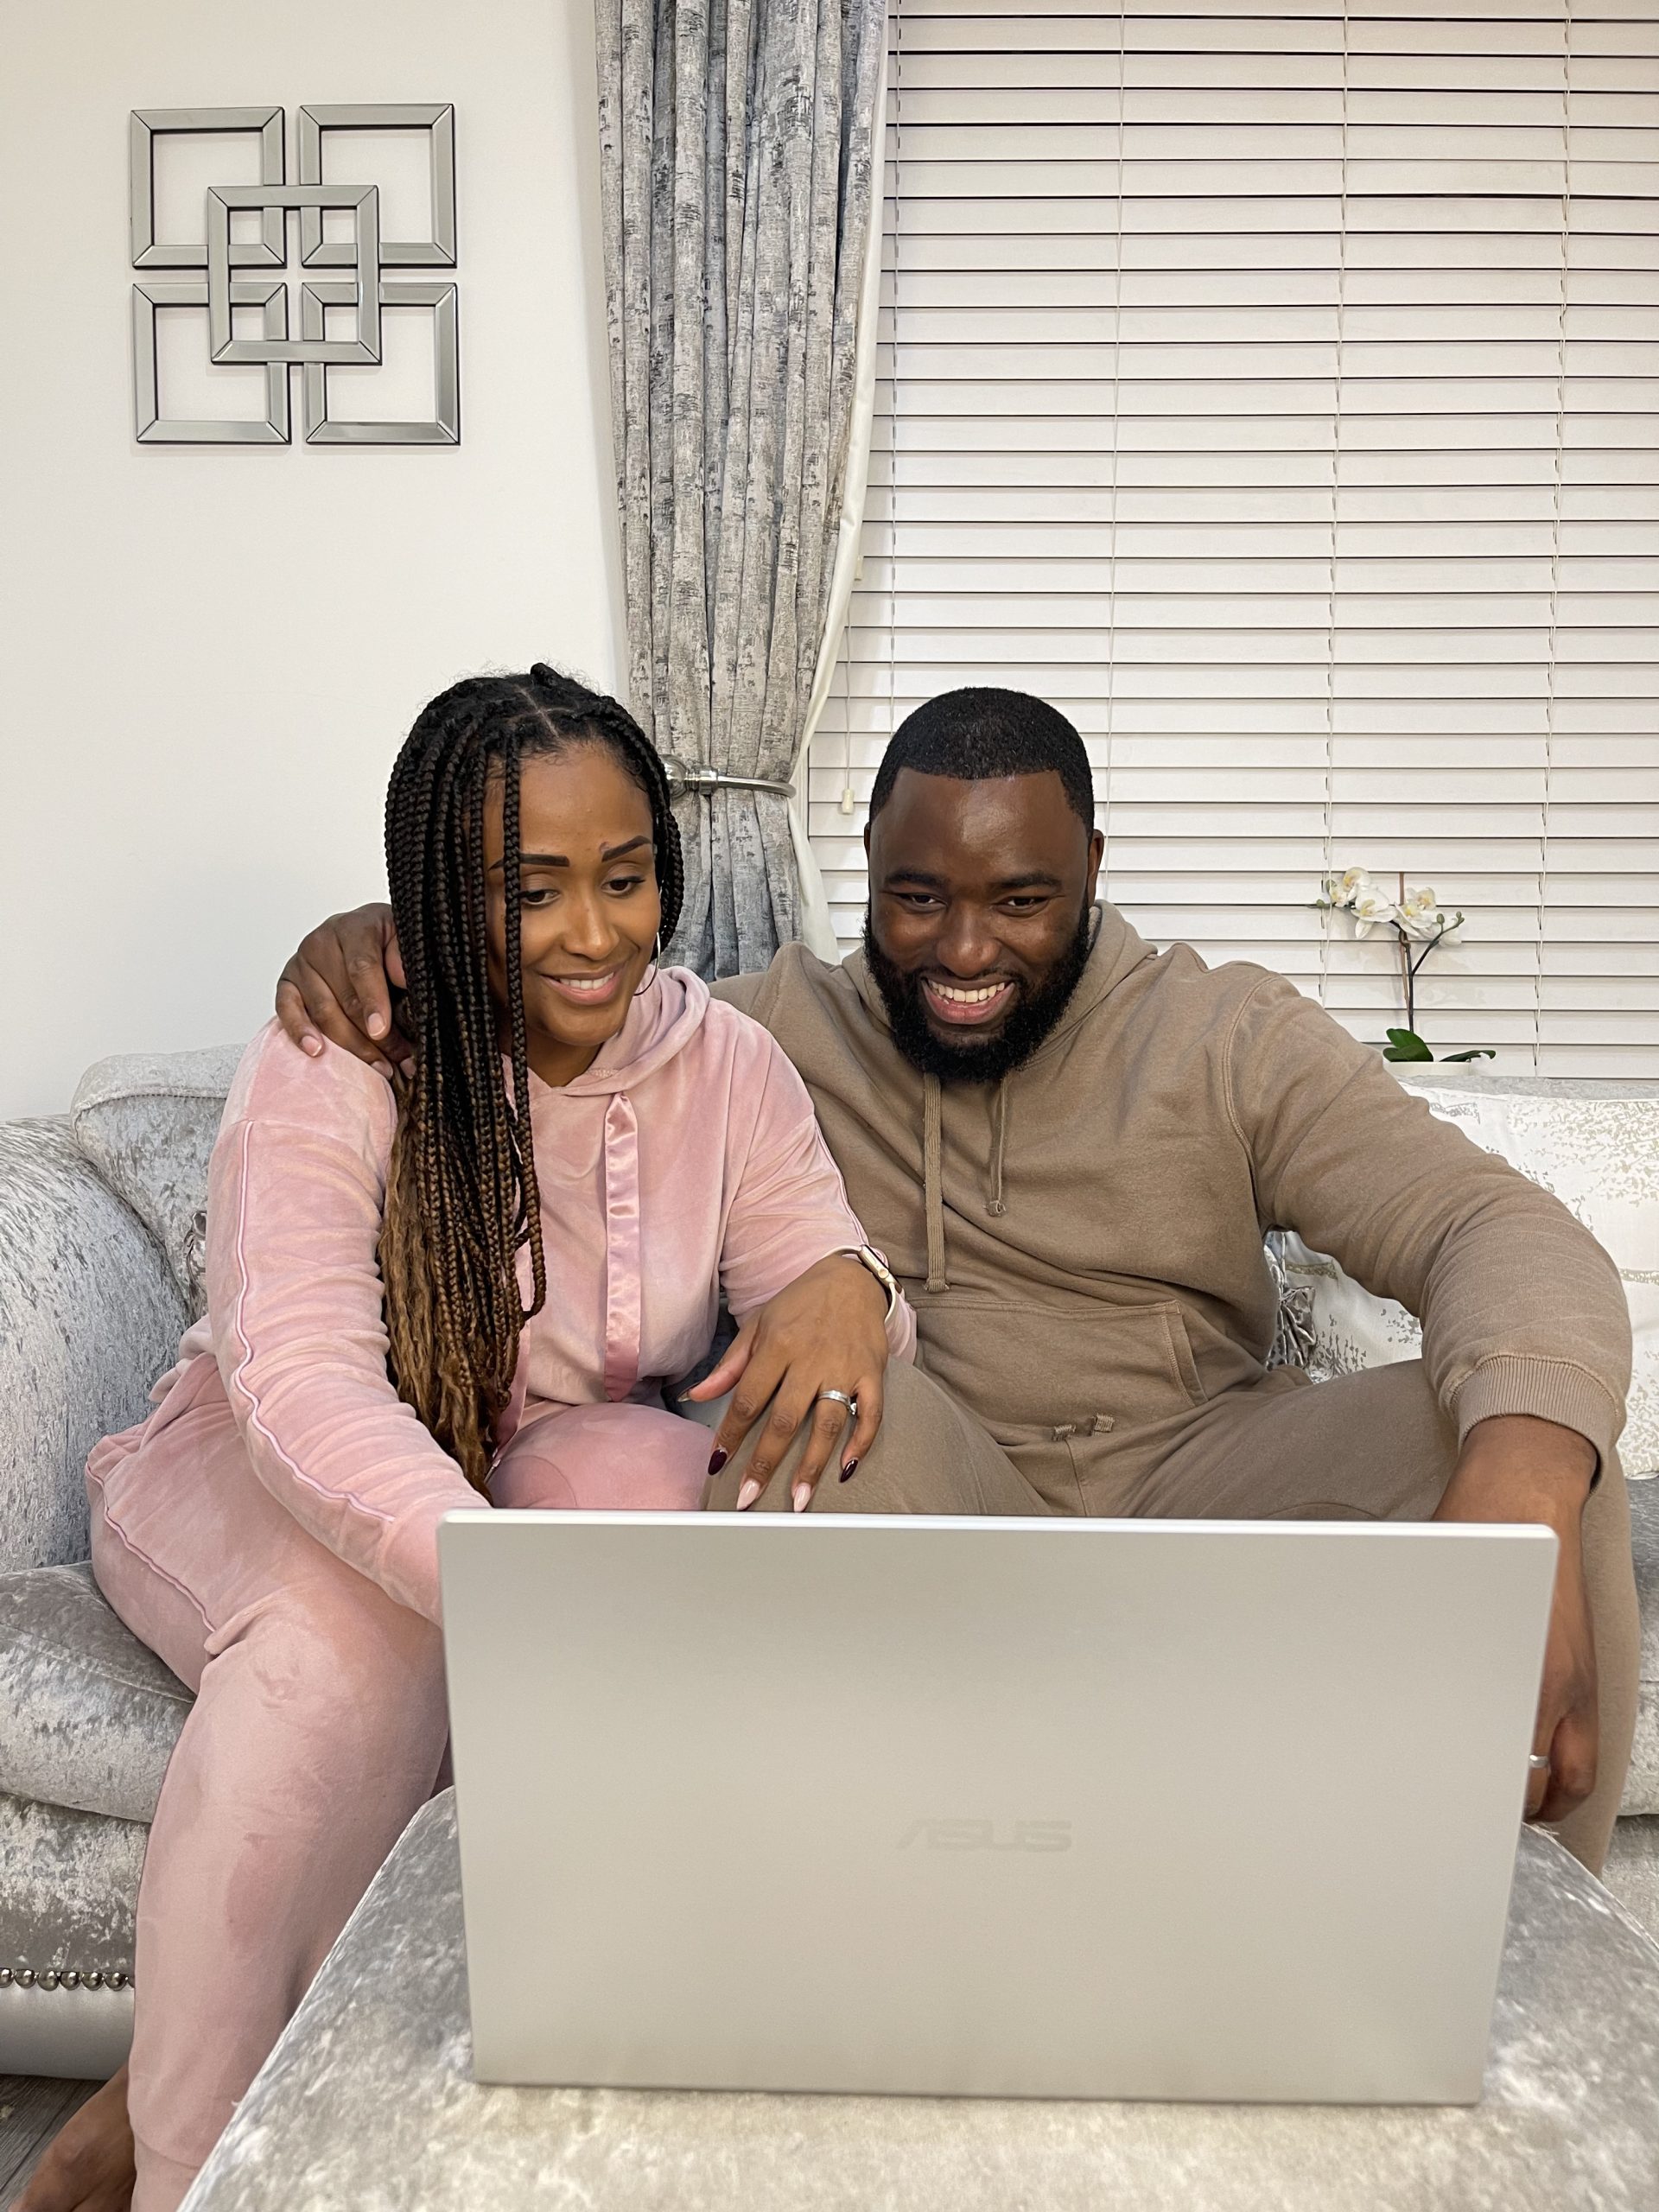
(1369, 1446)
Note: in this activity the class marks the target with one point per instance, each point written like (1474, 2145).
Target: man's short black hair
(979, 732)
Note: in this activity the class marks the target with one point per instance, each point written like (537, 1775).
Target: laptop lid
(1053, 1808)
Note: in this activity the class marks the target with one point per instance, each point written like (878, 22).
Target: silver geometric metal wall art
(221, 289)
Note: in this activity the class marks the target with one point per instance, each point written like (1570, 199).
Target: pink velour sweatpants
(318, 1730)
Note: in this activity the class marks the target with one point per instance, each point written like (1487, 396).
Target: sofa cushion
(88, 1715)
(147, 1121)
(1632, 1870)
(1598, 1154)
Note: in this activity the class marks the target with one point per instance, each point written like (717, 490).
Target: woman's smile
(585, 990)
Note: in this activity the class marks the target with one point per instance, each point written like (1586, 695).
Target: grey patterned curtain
(738, 160)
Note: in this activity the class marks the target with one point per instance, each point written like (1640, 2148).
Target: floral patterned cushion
(1598, 1154)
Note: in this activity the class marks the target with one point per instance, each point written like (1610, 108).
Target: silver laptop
(1002, 1808)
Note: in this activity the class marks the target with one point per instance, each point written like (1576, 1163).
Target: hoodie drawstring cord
(933, 1188)
(999, 1146)
(933, 1172)
(623, 1283)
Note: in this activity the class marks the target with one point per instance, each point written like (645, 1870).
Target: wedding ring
(1537, 1762)
(841, 1399)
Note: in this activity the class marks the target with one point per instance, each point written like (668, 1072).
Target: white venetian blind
(1276, 393)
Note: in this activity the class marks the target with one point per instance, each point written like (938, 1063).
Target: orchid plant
(1420, 928)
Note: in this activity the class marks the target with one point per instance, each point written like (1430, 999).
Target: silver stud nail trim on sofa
(82, 2035)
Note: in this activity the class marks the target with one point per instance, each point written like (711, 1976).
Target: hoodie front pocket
(1033, 1367)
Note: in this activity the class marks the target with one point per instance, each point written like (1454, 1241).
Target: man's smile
(967, 1005)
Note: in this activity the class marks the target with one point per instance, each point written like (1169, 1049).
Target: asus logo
(985, 1836)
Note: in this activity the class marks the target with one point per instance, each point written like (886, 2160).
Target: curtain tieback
(690, 779)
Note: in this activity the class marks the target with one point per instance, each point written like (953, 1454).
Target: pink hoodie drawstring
(623, 1316)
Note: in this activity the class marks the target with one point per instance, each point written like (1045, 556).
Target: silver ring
(1538, 1763)
(841, 1399)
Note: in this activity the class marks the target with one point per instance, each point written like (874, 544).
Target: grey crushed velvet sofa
(100, 1269)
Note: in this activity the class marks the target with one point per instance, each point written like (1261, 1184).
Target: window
(1276, 393)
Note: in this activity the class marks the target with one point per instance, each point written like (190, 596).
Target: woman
(477, 1286)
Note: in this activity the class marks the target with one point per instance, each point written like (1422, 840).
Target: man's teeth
(975, 994)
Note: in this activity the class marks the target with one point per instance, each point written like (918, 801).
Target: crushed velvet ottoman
(367, 2103)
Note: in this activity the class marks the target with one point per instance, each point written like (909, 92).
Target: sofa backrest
(147, 1121)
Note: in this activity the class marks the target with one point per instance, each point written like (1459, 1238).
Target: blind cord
(1105, 809)
(1328, 857)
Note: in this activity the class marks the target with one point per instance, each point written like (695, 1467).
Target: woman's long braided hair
(461, 1197)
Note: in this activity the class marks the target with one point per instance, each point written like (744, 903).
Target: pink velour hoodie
(686, 1161)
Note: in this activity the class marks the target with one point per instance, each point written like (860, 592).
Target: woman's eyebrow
(558, 860)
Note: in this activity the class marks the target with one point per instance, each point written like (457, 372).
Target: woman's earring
(651, 972)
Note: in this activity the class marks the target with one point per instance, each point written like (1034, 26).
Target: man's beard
(1035, 1016)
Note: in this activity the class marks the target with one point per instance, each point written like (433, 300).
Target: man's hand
(1515, 1468)
(826, 1332)
(340, 982)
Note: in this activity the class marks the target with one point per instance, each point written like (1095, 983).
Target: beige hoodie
(1083, 1243)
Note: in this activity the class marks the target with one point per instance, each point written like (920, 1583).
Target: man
(1068, 1146)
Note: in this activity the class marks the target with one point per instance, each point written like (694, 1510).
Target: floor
(31, 2113)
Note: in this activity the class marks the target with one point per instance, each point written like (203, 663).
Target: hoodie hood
(1117, 951)
(662, 1020)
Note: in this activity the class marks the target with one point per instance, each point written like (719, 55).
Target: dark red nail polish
(717, 1459)
(848, 1471)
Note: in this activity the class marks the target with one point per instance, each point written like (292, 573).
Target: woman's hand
(826, 1332)
(340, 982)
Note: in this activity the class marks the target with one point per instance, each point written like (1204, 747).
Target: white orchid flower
(1340, 890)
(1371, 908)
(1419, 915)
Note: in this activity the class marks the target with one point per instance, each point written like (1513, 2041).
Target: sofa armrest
(90, 1315)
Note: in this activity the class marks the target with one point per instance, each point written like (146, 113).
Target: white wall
(211, 654)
